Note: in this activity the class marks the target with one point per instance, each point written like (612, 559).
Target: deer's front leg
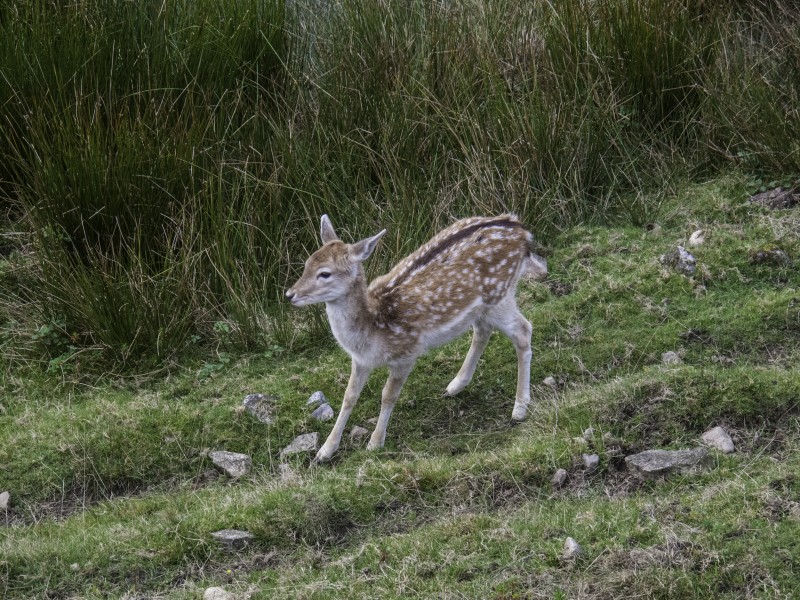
(397, 377)
(358, 377)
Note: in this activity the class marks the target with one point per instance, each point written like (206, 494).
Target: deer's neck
(352, 319)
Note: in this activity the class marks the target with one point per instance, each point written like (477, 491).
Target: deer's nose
(290, 294)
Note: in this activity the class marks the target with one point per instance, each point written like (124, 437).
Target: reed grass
(171, 159)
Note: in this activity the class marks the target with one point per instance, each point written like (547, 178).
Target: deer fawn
(466, 276)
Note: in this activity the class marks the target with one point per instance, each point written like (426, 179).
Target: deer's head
(330, 272)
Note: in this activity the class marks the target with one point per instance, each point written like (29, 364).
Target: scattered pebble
(260, 406)
(217, 593)
(358, 433)
(232, 464)
(681, 260)
(559, 478)
(572, 549)
(550, 381)
(317, 398)
(671, 358)
(306, 442)
(591, 462)
(588, 434)
(697, 238)
(233, 539)
(775, 257)
(5, 500)
(655, 463)
(324, 412)
(718, 438)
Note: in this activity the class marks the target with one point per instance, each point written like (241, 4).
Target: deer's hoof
(321, 457)
(520, 411)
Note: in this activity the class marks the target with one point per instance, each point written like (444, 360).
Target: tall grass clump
(171, 160)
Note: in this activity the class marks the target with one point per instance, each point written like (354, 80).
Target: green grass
(112, 492)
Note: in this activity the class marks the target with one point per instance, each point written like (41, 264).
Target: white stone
(591, 461)
(671, 358)
(233, 539)
(588, 434)
(657, 463)
(317, 398)
(550, 381)
(324, 412)
(232, 464)
(5, 499)
(358, 433)
(306, 442)
(217, 593)
(559, 479)
(697, 238)
(718, 438)
(260, 406)
(572, 549)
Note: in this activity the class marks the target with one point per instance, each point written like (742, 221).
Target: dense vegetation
(163, 164)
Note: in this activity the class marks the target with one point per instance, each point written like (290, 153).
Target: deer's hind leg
(511, 322)
(481, 332)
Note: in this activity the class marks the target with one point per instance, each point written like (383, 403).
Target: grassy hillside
(112, 494)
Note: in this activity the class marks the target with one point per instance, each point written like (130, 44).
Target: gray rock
(591, 462)
(681, 260)
(550, 381)
(671, 358)
(657, 463)
(697, 238)
(5, 500)
(559, 479)
(778, 198)
(572, 549)
(232, 464)
(232, 539)
(324, 412)
(588, 434)
(317, 398)
(718, 438)
(774, 257)
(260, 406)
(217, 593)
(306, 442)
(358, 433)
(580, 441)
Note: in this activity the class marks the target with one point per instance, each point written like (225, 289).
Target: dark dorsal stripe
(451, 241)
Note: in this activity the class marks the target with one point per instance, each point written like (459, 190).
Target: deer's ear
(326, 231)
(360, 251)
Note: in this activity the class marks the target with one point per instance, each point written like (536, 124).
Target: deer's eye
(323, 275)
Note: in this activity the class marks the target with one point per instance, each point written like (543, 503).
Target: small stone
(358, 433)
(559, 479)
(671, 358)
(260, 406)
(580, 441)
(572, 549)
(591, 462)
(217, 593)
(656, 463)
(697, 238)
(550, 381)
(718, 438)
(681, 260)
(74, 567)
(373, 421)
(317, 398)
(233, 539)
(588, 434)
(232, 464)
(324, 412)
(306, 442)
(5, 500)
